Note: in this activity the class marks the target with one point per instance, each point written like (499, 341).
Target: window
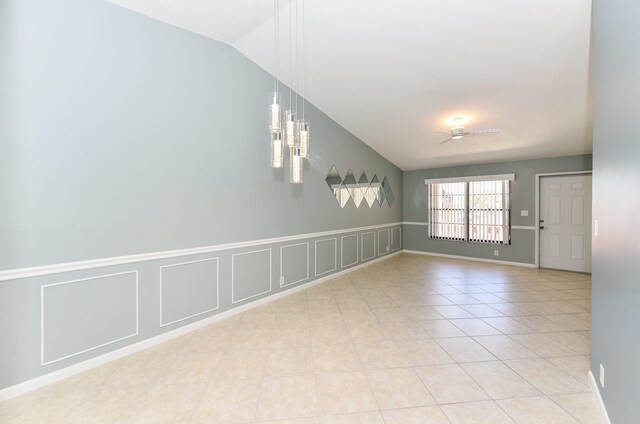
(447, 210)
(470, 209)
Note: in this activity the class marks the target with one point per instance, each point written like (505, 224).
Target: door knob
(542, 227)
(542, 220)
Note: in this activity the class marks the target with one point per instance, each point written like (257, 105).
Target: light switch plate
(602, 376)
(595, 228)
(524, 213)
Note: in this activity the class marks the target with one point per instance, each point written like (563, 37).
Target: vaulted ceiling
(393, 72)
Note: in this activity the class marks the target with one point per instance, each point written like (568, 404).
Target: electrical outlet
(496, 253)
(602, 376)
(387, 248)
(281, 280)
(524, 213)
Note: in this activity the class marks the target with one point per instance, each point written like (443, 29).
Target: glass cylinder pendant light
(296, 166)
(277, 149)
(304, 135)
(290, 128)
(274, 112)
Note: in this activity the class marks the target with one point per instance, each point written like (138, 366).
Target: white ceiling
(392, 72)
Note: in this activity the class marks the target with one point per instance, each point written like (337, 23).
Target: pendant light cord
(275, 42)
(304, 73)
(297, 59)
(290, 56)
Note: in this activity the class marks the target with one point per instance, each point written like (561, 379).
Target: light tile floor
(412, 339)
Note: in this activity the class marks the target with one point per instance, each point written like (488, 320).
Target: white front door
(565, 222)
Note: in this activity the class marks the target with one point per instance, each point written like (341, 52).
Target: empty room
(319, 211)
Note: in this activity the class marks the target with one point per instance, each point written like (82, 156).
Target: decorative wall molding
(307, 256)
(55, 376)
(335, 253)
(362, 258)
(233, 299)
(342, 264)
(162, 324)
(414, 223)
(13, 274)
(386, 252)
(399, 236)
(42, 317)
(201, 315)
(470, 258)
(599, 402)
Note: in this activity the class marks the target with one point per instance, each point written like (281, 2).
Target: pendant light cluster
(295, 135)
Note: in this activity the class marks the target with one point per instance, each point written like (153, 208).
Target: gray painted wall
(117, 124)
(122, 135)
(616, 199)
(522, 247)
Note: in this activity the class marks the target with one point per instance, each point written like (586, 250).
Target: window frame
(506, 207)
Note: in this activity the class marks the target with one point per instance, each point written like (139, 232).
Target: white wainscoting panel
(342, 264)
(291, 246)
(396, 235)
(364, 245)
(335, 256)
(72, 311)
(240, 268)
(190, 285)
(382, 249)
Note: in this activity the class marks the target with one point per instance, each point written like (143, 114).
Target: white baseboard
(470, 258)
(61, 374)
(596, 393)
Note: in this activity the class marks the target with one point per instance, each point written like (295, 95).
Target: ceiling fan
(457, 131)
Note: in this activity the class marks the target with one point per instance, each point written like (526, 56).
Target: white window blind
(489, 211)
(447, 208)
(471, 209)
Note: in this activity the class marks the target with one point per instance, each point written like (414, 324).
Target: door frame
(537, 204)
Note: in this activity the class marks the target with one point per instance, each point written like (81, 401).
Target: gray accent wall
(116, 124)
(522, 247)
(616, 199)
(122, 135)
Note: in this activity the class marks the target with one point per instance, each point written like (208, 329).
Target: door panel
(554, 245)
(565, 214)
(577, 210)
(577, 247)
(555, 215)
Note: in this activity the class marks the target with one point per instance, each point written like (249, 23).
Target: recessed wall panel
(349, 250)
(383, 242)
(188, 289)
(294, 264)
(368, 245)
(326, 255)
(82, 315)
(577, 247)
(250, 274)
(396, 238)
